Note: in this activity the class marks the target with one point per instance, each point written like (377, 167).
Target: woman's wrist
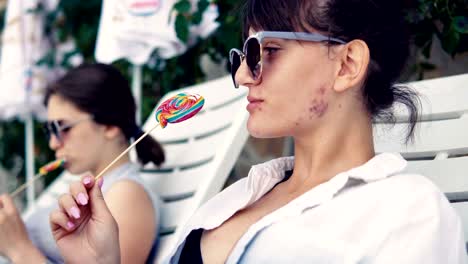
(26, 253)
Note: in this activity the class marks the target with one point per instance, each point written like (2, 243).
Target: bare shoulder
(128, 194)
(134, 213)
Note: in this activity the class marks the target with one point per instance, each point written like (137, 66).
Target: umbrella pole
(29, 148)
(136, 90)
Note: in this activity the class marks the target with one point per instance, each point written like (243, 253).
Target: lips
(253, 99)
(254, 103)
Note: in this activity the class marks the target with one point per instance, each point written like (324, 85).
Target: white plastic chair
(440, 148)
(200, 154)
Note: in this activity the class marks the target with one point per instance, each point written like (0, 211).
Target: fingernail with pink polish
(75, 212)
(70, 225)
(87, 180)
(82, 199)
(100, 182)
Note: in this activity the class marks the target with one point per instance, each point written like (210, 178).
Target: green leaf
(202, 5)
(182, 28)
(196, 18)
(198, 15)
(460, 24)
(450, 40)
(48, 59)
(183, 6)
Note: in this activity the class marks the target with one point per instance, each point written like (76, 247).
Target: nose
(245, 77)
(54, 142)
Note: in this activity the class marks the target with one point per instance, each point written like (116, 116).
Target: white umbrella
(132, 29)
(21, 82)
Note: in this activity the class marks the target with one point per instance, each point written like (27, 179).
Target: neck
(112, 153)
(322, 154)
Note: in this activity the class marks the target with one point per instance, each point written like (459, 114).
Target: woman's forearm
(27, 253)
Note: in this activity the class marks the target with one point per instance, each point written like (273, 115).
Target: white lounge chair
(440, 148)
(200, 154)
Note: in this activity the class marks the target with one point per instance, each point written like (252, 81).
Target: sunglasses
(252, 50)
(58, 128)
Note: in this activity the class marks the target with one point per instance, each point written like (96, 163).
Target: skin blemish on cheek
(322, 90)
(318, 108)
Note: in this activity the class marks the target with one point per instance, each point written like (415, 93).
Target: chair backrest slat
(200, 153)
(440, 147)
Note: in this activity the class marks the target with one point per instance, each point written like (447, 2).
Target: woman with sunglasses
(91, 120)
(319, 71)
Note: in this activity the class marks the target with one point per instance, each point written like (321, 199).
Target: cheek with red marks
(318, 108)
(319, 105)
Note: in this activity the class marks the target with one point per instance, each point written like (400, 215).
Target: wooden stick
(37, 176)
(26, 184)
(125, 152)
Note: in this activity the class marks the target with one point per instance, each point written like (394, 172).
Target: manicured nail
(75, 212)
(87, 180)
(100, 182)
(82, 199)
(70, 225)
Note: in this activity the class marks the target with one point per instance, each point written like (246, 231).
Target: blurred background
(69, 32)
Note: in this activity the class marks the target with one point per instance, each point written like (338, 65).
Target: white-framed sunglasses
(59, 127)
(252, 50)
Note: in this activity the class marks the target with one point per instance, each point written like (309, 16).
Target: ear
(111, 132)
(354, 59)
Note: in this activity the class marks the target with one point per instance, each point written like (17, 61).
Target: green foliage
(447, 20)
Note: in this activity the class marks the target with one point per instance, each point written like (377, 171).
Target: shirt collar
(379, 167)
(264, 176)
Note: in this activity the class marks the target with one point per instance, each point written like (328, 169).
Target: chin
(74, 170)
(258, 131)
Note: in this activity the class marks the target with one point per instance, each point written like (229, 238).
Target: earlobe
(111, 131)
(354, 60)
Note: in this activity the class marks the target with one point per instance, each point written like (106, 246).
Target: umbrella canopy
(23, 44)
(132, 29)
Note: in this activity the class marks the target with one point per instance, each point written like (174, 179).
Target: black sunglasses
(59, 127)
(252, 50)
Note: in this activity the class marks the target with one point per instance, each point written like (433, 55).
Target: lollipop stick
(125, 152)
(42, 171)
(26, 184)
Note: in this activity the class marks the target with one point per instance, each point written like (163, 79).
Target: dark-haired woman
(319, 71)
(91, 120)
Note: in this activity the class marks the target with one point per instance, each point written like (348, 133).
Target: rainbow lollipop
(174, 110)
(51, 166)
(179, 108)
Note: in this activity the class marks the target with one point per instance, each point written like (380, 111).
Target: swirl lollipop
(51, 166)
(179, 108)
(174, 110)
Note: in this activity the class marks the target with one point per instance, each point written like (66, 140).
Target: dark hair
(102, 91)
(379, 23)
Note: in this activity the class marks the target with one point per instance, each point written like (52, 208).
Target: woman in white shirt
(318, 71)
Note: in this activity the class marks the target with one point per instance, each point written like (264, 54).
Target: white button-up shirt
(374, 213)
